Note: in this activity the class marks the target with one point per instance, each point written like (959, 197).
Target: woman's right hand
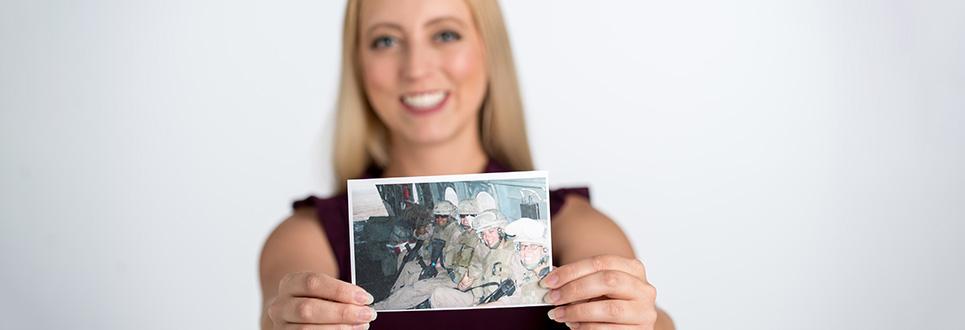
(318, 301)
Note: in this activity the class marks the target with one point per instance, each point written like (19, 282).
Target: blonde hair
(361, 138)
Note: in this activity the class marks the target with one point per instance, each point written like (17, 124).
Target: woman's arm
(581, 233)
(285, 253)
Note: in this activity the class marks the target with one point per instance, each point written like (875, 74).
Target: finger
(325, 326)
(567, 273)
(317, 311)
(609, 283)
(315, 285)
(605, 311)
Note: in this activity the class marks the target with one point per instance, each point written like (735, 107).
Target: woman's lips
(424, 102)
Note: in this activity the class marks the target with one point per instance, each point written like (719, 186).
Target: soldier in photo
(493, 279)
(419, 277)
(530, 263)
(414, 252)
(444, 231)
(465, 253)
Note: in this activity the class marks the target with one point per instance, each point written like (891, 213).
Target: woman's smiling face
(423, 67)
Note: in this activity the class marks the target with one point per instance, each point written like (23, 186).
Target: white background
(777, 164)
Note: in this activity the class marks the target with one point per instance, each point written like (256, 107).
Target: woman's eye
(383, 42)
(447, 36)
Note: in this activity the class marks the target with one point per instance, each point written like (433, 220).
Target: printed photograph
(451, 242)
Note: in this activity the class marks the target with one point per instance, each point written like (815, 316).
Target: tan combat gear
(468, 207)
(464, 255)
(528, 290)
(447, 233)
(444, 208)
(488, 219)
(496, 267)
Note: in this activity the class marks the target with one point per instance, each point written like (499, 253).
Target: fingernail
(552, 296)
(361, 326)
(367, 315)
(572, 325)
(555, 314)
(363, 298)
(549, 281)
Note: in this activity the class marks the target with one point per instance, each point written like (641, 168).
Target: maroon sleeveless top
(333, 215)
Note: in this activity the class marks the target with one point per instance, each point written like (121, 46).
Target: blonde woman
(428, 87)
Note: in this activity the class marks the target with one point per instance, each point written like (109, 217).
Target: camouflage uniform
(494, 268)
(532, 233)
(408, 291)
(497, 267)
(412, 295)
(528, 290)
(411, 292)
(446, 234)
(411, 270)
(464, 255)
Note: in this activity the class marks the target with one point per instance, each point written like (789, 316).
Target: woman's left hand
(602, 292)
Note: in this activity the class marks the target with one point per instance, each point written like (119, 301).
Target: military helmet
(444, 208)
(527, 230)
(468, 207)
(488, 219)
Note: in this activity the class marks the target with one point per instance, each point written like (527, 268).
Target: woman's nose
(419, 63)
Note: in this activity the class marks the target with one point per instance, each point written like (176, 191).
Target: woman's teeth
(424, 100)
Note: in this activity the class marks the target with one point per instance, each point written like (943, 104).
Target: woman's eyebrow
(398, 27)
(441, 19)
(393, 26)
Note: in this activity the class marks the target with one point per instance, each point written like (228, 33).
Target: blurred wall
(777, 164)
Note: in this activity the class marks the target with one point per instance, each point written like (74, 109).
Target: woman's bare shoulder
(581, 231)
(578, 213)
